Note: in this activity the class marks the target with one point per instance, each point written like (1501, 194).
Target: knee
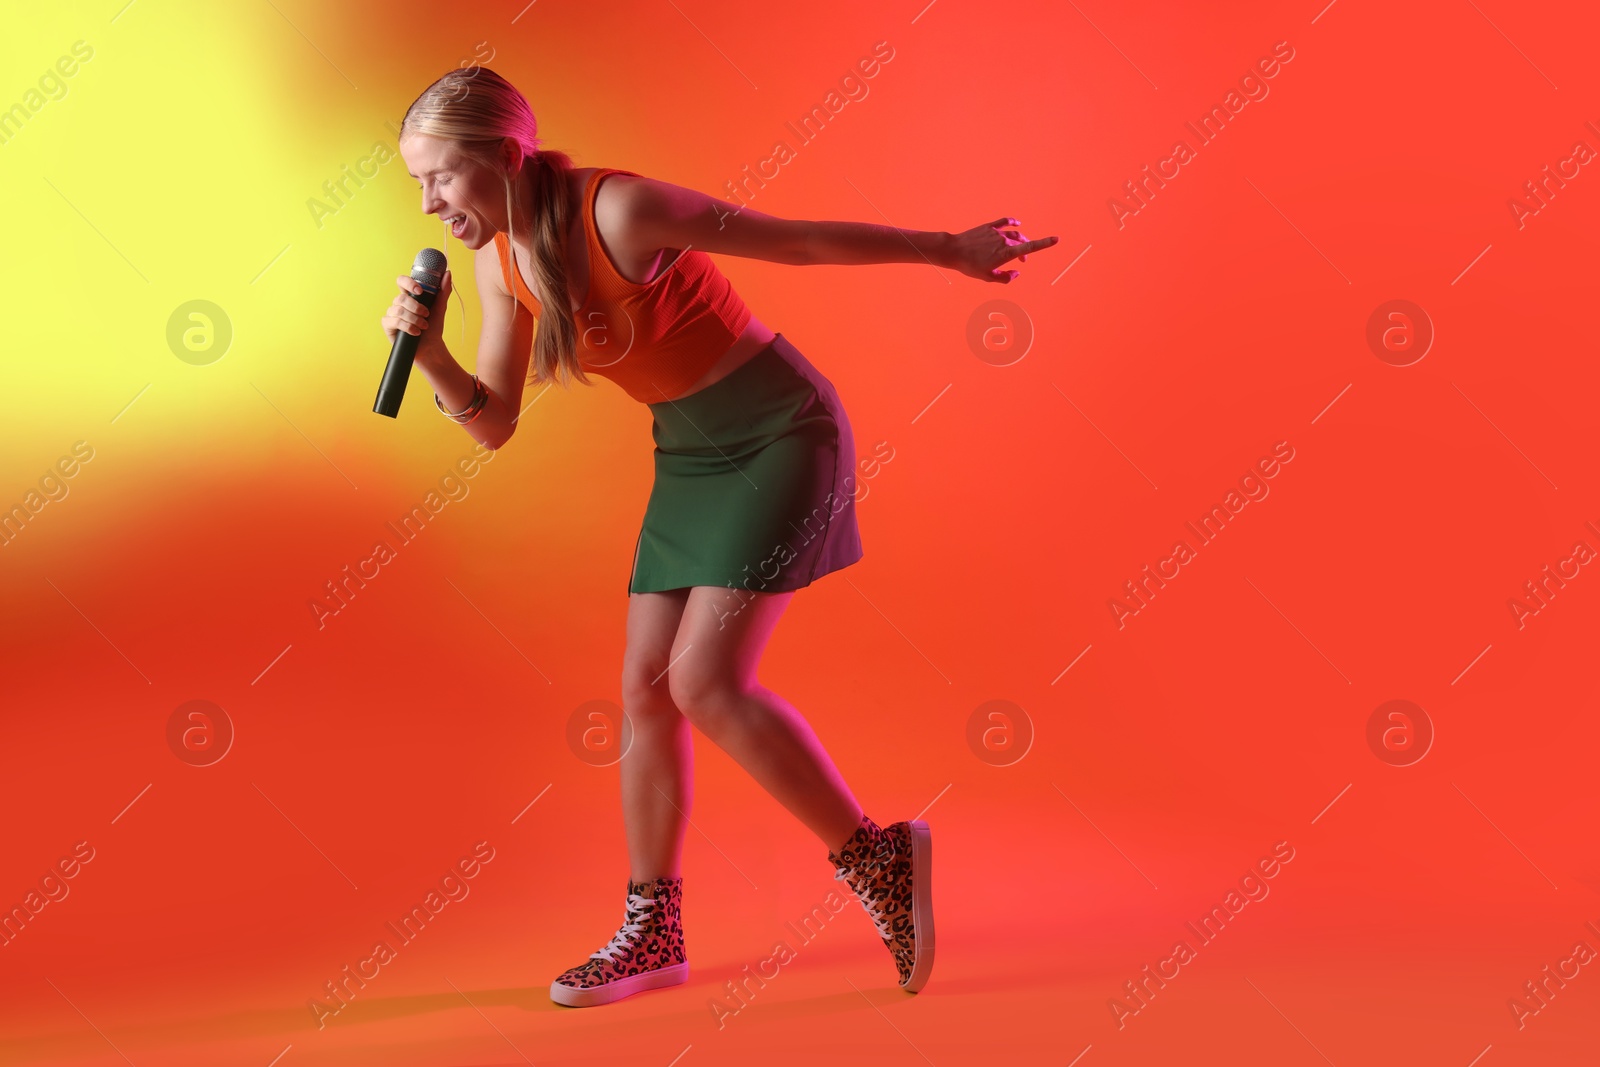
(646, 698)
(707, 695)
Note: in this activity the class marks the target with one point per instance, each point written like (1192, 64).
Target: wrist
(432, 357)
(474, 407)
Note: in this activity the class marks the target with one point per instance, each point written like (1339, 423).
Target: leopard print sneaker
(646, 953)
(890, 871)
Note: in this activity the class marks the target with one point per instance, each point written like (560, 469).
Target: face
(456, 188)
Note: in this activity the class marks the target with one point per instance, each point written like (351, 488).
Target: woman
(754, 474)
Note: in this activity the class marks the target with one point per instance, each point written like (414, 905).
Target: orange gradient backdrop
(1043, 454)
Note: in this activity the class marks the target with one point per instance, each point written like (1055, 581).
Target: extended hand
(980, 251)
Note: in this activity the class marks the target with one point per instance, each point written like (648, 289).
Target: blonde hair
(476, 109)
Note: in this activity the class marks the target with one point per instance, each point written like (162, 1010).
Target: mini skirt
(755, 483)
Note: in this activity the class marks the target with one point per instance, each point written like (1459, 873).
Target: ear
(511, 154)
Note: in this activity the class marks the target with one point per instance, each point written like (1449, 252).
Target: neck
(522, 191)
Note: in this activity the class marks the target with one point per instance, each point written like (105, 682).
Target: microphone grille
(429, 267)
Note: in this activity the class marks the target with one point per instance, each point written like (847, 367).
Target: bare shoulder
(623, 206)
(622, 194)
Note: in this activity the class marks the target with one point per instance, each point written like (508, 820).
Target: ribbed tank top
(654, 339)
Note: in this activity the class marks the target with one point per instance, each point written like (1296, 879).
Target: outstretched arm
(977, 252)
(866, 242)
(664, 215)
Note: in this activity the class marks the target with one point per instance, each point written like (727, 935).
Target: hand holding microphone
(411, 325)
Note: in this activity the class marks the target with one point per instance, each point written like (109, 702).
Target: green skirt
(755, 482)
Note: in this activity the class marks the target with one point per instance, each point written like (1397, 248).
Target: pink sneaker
(646, 953)
(890, 871)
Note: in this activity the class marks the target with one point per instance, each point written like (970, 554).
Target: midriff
(755, 337)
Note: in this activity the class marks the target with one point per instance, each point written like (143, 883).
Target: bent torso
(640, 266)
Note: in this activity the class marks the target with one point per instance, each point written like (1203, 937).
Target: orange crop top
(654, 339)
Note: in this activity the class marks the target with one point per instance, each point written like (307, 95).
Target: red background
(1230, 714)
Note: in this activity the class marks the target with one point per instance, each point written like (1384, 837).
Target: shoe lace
(636, 920)
(873, 909)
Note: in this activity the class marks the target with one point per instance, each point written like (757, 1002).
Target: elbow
(499, 427)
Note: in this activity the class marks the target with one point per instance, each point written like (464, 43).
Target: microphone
(428, 270)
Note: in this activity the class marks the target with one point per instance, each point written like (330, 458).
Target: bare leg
(658, 768)
(720, 641)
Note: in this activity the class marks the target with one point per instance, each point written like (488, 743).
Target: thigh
(653, 624)
(720, 641)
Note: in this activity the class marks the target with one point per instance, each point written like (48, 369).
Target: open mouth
(457, 224)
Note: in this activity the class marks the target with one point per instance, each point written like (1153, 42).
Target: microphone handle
(392, 389)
